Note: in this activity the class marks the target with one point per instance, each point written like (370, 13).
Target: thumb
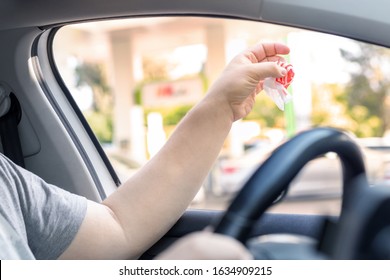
(267, 69)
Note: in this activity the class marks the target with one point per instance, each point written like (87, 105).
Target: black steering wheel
(275, 174)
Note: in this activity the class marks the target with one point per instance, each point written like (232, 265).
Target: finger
(279, 59)
(264, 51)
(263, 70)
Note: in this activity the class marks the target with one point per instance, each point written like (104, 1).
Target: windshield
(135, 79)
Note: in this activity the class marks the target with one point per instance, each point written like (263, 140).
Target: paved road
(316, 189)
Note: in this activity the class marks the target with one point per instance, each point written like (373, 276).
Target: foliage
(368, 89)
(155, 69)
(137, 94)
(266, 112)
(360, 105)
(101, 125)
(174, 116)
(100, 115)
(330, 109)
(171, 116)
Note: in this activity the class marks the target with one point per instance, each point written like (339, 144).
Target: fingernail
(283, 72)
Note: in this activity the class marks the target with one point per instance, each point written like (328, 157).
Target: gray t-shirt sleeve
(51, 216)
(12, 246)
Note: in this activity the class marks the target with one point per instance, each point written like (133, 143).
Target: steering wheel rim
(285, 162)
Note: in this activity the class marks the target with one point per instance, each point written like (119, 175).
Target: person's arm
(144, 208)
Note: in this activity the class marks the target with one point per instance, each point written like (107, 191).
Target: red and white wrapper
(276, 88)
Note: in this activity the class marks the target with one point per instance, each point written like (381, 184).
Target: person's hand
(243, 78)
(206, 245)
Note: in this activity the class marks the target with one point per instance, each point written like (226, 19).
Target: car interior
(43, 129)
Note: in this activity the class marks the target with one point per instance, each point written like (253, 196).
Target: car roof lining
(365, 21)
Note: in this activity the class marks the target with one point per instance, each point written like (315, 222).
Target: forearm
(150, 202)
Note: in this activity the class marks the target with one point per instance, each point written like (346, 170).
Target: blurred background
(135, 79)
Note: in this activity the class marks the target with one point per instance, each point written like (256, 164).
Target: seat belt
(10, 116)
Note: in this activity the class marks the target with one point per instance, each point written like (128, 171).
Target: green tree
(155, 69)
(366, 93)
(100, 115)
(266, 112)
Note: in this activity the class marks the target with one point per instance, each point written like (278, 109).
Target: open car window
(135, 79)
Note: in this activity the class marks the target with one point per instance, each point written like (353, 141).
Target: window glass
(135, 79)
